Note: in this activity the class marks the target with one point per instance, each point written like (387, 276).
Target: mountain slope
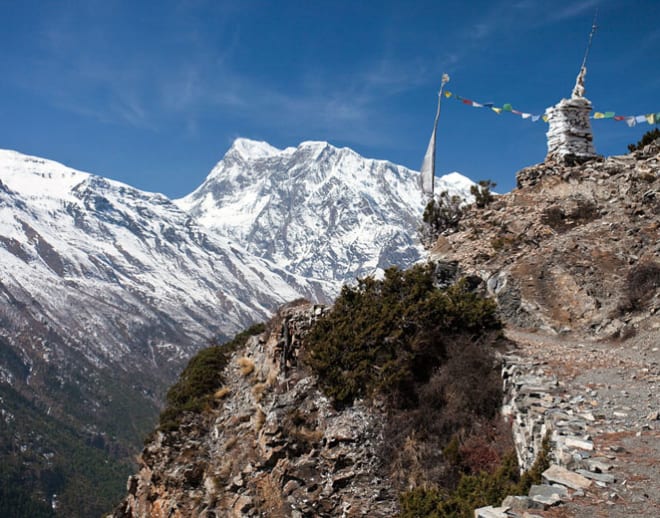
(105, 291)
(316, 210)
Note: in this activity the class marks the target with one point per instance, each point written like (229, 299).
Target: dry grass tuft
(222, 393)
(258, 391)
(259, 419)
(246, 365)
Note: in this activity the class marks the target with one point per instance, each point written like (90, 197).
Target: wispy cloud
(572, 10)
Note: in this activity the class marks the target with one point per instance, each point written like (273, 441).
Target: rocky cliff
(272, 446)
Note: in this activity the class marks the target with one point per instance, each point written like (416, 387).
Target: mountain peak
(253, 149)
(314, 209)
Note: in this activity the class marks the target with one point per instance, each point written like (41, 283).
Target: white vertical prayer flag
(427, 172)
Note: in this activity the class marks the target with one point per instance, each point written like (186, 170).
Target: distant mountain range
(106, 290)
(316, 210)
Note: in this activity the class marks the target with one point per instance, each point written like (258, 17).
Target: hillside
(571, 257)
(572, 249)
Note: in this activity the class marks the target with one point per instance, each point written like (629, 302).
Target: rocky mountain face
(316, 210)
(573, 248)
(571, 256)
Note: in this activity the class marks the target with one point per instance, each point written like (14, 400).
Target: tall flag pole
(427, 173)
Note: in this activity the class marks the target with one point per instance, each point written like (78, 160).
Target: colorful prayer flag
(608, 115)
(497, 110)
(507, 107)
(599, 115)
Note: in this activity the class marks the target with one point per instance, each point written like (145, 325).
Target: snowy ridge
(316, 210)
(101, 257)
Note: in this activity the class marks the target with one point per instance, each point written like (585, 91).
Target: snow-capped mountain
(105, 292)
(316, 210)
(87, 248)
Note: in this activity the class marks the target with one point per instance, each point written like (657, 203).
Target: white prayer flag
(427, 172)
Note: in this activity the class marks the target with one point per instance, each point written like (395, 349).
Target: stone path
(600, 402)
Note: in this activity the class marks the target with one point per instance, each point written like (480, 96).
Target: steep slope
(316, 210)
(573, 248)
(105, 291)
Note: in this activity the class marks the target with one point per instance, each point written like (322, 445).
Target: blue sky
(153, 93)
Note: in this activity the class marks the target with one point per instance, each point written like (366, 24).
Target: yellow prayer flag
(650, 118)
(599, 115)
(448, 94)
(497, 110)
(545, 118)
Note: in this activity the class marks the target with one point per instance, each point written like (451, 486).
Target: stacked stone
(536, 404)
(569, 134)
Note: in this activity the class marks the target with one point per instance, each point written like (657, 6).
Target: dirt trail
(619, 384)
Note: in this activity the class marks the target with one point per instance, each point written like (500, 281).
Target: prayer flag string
(631, 120)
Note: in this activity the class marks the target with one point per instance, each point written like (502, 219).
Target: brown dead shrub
(642, 282)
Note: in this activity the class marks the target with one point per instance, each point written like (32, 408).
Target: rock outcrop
(562, 252)
(273, 446)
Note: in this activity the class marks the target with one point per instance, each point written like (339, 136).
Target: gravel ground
(619, 383)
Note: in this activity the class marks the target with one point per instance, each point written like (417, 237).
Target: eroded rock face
(273, 446)
(558, 252)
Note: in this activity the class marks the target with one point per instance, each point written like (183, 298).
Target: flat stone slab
(547, 501)
(576, 442)
(517, 503)
(565, 477)
(598, 465)
(491, 512)
(599, 477)
(547, 490)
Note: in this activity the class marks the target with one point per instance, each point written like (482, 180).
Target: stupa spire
(578, 90)
(569, 131)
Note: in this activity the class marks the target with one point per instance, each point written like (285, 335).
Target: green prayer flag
(608, 115)
(507, 107)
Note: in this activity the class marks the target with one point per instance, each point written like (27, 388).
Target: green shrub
(200, 379)
(441, 214)
(482, 194)
(647, 138)
(385, 336)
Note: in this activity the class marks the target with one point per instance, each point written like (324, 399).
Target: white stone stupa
(569, 134)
